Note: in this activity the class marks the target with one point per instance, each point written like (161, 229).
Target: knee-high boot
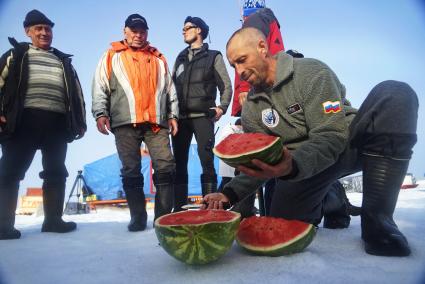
(53, 199)
(337, 208)
(133, 188)
(8, 200)
(180, 192)
(382, 179)
(208, 183)
(164, 196)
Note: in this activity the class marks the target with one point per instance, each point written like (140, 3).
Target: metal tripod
(80, 188)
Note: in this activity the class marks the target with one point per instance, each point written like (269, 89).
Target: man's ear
(262, 47)
(27, 31)
(198, 31)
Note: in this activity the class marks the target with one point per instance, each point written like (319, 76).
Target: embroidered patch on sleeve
(331, 107)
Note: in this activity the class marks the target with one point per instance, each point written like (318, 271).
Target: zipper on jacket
(20, 73)
(66, 87)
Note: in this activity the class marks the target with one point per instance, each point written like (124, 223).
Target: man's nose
(239, 69)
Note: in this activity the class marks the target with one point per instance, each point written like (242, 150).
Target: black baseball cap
(136, 21)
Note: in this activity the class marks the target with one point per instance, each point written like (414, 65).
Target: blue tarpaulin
(103, 176)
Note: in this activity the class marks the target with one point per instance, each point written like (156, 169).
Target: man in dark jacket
(302, 101)
(41, 108)
(197, 74)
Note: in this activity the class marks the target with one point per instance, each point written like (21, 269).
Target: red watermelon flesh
(244, 143)
(274, 236)
(196, 217)
(242, 148)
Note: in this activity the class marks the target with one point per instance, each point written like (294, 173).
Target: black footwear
(353, 210)
(133, 188)
(164, 196)
(57, 225)
(382, 236)
(180, 196)
(335, 208)
(138, 223)
(382, 178)
(8, 200)
(9, 234)
(53, 199)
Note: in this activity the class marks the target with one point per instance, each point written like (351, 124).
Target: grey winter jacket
(307, 108)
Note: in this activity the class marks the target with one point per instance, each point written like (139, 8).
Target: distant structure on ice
(354, 183)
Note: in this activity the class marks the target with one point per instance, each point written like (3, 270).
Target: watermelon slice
(274, 236)
(197, 236)
(240, 148)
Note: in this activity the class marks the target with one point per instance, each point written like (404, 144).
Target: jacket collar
(122, 45)
(24, 46)
(185, 52)
(284, 70)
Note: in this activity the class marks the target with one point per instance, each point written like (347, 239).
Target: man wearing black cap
(198, 72)
(41, 108)
(134, 97)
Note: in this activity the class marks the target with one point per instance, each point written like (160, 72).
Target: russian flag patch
(332, 107)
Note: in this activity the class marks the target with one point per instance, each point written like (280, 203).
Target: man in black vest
(197, 74)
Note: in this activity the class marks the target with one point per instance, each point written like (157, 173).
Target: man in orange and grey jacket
(134, 98)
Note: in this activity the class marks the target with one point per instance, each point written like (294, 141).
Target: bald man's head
(247, 52)
(248, 36)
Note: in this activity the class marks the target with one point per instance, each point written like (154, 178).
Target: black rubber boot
(164, 196)
(337, 209)
(53, 199)
(180, 192)
(133, 188)
(8, 200)
(382, 179)
(208, 184)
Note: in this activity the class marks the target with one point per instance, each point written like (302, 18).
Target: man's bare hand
(218, 113)
(215, 201)
(266, 171)
(172, 125)
(103, 125)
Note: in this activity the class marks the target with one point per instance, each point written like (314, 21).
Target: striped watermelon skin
(198, 243)
(237, 149)
(271, 236)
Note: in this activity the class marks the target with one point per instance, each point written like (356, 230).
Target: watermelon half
(274, 236)
(197, 236)
(240, 149)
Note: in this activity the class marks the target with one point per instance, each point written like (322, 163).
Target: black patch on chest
(293, 108)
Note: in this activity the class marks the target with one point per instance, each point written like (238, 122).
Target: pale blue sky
(364, 42)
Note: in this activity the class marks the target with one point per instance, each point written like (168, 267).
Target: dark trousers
(203, 129)
(128, 139)
(391, 110)
(38, 130)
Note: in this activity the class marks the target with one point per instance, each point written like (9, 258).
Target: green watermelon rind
(270, 154)
(297, 244)
(208, 241)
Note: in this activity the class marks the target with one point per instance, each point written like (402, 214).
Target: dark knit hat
(35, 17)
(200, 24)
(136, 21)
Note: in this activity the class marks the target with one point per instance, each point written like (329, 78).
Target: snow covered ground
(103, 251)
